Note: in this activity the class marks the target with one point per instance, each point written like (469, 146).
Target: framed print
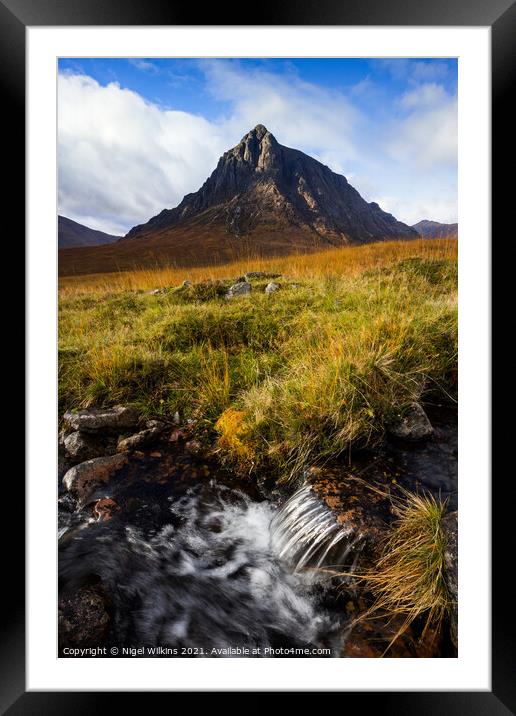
(258, 361)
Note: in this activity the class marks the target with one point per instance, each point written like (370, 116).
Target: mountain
(261, 182)
(262, 199)
(70, 233)
(434, 230)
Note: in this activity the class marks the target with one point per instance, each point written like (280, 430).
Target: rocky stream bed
(162, 548)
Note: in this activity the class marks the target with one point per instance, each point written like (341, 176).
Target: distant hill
(71, 234)
(435, 230)
(262, 199)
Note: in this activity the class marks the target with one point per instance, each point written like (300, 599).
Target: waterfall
(305, 533)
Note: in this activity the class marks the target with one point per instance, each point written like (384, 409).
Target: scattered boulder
(156, 292)
(450, 529)
(83, 618)
(186, 283)
(271, 287)
(80, 446)
(139, 440)
(118, 418)
(413, 425)
(82, 480)
(242, 288)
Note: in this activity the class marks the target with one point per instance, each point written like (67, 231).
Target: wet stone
(413, 425)
(83, 479)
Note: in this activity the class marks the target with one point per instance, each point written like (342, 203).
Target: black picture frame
(15, 17)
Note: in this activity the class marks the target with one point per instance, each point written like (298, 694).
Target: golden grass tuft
(231, 428)
(409, 579)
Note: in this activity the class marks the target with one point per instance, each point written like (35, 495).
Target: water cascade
(306, 533)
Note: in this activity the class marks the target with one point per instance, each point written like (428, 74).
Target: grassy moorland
(352, 337)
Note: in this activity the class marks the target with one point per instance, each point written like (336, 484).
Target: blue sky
(136, 134)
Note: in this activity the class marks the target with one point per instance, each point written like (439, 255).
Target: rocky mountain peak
(258, 150)
(260, 185)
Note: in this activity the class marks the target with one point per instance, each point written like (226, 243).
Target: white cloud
(123, 159)
(428, 136)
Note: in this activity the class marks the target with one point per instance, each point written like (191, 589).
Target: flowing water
(306, 533)
(213, 577)
(206, 567)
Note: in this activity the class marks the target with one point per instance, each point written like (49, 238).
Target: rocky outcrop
(272, 287)
(116, 419)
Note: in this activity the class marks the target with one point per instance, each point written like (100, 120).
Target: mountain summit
(260, 183)
(262, 199)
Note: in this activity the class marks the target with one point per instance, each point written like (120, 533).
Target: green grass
(305, 372)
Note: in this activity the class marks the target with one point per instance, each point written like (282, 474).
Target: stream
(199, 564)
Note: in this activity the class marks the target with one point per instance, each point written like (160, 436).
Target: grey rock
(450, 529)
(139, 440)
(243, 288)
(119, 418)
(272, 287)
(413, 425)
(83, 479)
(83, 446)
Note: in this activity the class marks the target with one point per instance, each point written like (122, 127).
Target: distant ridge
(262, 199)
(71, 234)
(435, 230)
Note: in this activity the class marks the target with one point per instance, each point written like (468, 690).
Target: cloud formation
(123, 159)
